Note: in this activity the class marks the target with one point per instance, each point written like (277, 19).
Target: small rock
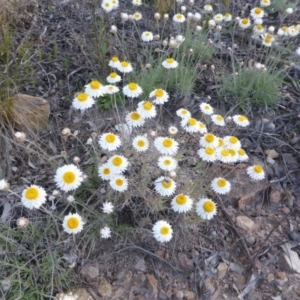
(30, 113)
(250, 240)
(162, 295)
(189, 295)
(160, 253)
(152, 282)
(246, 223)
(286, 210)
(90, 273)
(275, 196)
(222, 270)
(291, 262)
(179, 295)
(272, 153)
(82, 294)
(104, 288)
(270, 160)
(271, 277)
(185, 261)
(264, 125)
(140, 265)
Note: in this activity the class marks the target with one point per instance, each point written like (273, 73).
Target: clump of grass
(249, 88)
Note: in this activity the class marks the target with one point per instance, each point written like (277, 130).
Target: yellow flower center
(221, 142)
(137, 16)
(209, 206)
(184, 112)
(179, 16)
(159, 93)
(284, 28)
(225, 152)
(165, 230)
(242, 152)
(170, 60)
(259, 27)
(73, 223)
(141, 143)
(257, 10)
(111, 88)
(201, 125)
(245, 21)
(31, 193)
(113, 75)
(233, 140)
(218, 17)
(110, 138)
(181, 199)
(69, 177)
(192, 121)
(106, 171)
(268, 40)
(132, 86)
(167, 162)
(227, 15)
(117, 161)
(115, 59)
(135, 116)
(147, 33)
(82, 97)
(107, 4)
(167, 143)
(209, 151)
(147, 105)
(167, 184)
(207, 107)
(221, 182)
(95, 84)
(232, 152)
(124, 64)
(119, 182)
(219, 118)
(209, 137)
(208, 6)
(258, 169)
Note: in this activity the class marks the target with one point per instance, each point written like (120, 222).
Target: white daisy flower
(265, 3)
(179, 18)
(209, 140)
(33, 197)
(113, 77)
(293, 31)
(208, 8)
(242, 155)
(140, 143)
(182, 203)
(256, 172)
(134, 119)
(125, 67)
(224, 155)
(172, 130)
(240, 120)
(232, 142)
(268, 40)
(73, 223)
(202, 127)
(68, 177)
(221, 186)
(166, 145)
(118, 164)
(218, 18)
(105, 232)
(257, 13)
(206, 108)
(162, 231)
(111, 89)
(137, 2)
(183, 113)
(170, 63)
(132, 90)
(234, 155)
(109, 141)
(147, 36)
(4, 185)
(107, 5)
(206, 208)
(105, 172)
(160, 96)
(167, 163)
(207, 154)
(244, 23)
(165, 186)
(190, 125)
(146, 109)
(83, 101)
(258, 29)
(115, 3)
(119, 183)
(94, 89)
(114, 63)
(227, 17)
(137, 16)
(218, 120)
(108, 207)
